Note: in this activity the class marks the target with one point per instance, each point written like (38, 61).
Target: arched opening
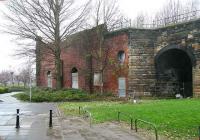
(74, 74)
(49, 79)
(174, 73)
(121, 56)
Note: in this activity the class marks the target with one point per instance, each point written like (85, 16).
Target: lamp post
(12, 73)
(30, 81)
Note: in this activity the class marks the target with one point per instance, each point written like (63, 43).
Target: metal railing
(146, 122)
(86, 114)
(182, 17)
(124, 114)
(158, 22)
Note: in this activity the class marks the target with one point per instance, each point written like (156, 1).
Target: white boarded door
(49, 80)
(122, 87)
(75, 80)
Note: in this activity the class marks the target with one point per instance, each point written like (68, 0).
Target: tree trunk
(101, 61)
(57, 45)
(100, 38)
(102, 82)
(58, 71)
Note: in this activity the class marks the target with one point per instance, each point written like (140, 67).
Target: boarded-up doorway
(122, 87)
(74, 78)
(49, 79)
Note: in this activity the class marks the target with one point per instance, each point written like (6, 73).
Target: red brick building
(147, 62)
(80, 65)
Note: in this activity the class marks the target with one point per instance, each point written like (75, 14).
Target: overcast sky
(130, 8)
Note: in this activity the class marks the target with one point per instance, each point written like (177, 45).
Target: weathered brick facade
(157, 61)
(77, 54)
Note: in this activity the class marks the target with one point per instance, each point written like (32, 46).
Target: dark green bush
(51, 95)
(3, 90)
(22, 96)
(16, 89)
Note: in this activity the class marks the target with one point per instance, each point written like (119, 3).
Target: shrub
(22, 96)
(51, 95)
(16, 89)
(3, 90)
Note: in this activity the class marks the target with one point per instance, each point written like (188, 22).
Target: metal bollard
(135, 125)
(79, 110)
(50, 119)
(17, 119)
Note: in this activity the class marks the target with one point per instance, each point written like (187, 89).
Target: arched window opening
(121, 56)
(74, 74)
(49, 79)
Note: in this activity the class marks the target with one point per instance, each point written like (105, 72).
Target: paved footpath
(34, 119)
(76, 128)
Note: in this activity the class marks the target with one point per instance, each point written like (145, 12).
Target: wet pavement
(34, 121)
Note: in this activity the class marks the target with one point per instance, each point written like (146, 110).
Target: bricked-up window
(49, 79)
(97, 79)
(74, 78)
(121, 56)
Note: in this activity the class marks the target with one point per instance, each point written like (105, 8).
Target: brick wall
(141, 46)
(117, 42)
(76, 53)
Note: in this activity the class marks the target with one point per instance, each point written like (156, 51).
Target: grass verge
(176, 119)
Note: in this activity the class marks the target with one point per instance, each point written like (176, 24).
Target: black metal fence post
(135, 125)
(17, 119)
(118, 116)
(79, 110)
(154, 126)
(131, 124)
(50, 119)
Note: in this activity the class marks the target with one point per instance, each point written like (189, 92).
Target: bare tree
(140, 20)
(24, 76)
(175, 11)
(50, 21)
(5, 77)
(18, 79)
(105, 17)
(192, 7)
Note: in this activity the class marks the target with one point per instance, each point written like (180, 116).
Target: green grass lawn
(176, 119)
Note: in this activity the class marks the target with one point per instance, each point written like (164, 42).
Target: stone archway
(174, 72)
